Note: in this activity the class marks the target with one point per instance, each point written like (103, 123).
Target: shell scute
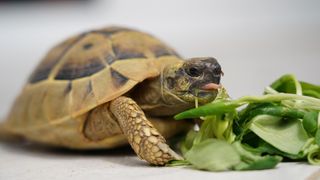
(44, 69)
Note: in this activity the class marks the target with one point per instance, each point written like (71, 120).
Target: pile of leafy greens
(255, 132)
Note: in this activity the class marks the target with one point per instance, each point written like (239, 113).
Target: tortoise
(109, 87)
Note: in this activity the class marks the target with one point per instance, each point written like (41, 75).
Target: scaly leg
(145, 140)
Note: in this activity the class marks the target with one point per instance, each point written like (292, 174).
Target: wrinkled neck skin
(157, 101)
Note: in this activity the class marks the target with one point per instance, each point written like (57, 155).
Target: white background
(254, 41)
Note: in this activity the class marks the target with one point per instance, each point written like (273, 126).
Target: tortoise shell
(82, 73)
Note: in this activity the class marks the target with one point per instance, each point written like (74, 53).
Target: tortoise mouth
(210, 87)
(201, 96)
(202, 89)
(204, 93)
(208, 93)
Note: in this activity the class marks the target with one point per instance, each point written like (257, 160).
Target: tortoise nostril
(217, 70)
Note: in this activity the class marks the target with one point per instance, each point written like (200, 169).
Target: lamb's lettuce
(284, 122)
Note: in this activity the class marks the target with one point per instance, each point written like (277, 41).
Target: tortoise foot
(145, 140)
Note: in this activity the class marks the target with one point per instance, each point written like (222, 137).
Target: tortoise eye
(194, 72)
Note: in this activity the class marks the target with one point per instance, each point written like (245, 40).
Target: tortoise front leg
(145, 140)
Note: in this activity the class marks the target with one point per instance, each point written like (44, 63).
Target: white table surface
(255, 42)
(29, 162)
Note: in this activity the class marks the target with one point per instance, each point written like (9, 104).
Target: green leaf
(314, 155)
(219, 127)
(286, 135)
(310, 89)
(310, 122)
(250, 160)
(220, 107)
(266, 162)
(262, 147)
(270, 109)
(174, 163)
(206, 132)
(287, 84)
(317, 137)
(188, 141)
(311, 93)
(283, 122)
(216, 108)
(213, 155)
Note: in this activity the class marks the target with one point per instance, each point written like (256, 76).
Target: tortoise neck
(155, 100)
(148, 92)
(166, 96)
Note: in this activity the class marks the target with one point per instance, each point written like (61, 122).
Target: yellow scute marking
(136, 69)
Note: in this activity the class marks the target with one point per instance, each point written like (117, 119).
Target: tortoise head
(196, 78)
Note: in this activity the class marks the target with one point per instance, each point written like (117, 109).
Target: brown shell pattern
(86, 71)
